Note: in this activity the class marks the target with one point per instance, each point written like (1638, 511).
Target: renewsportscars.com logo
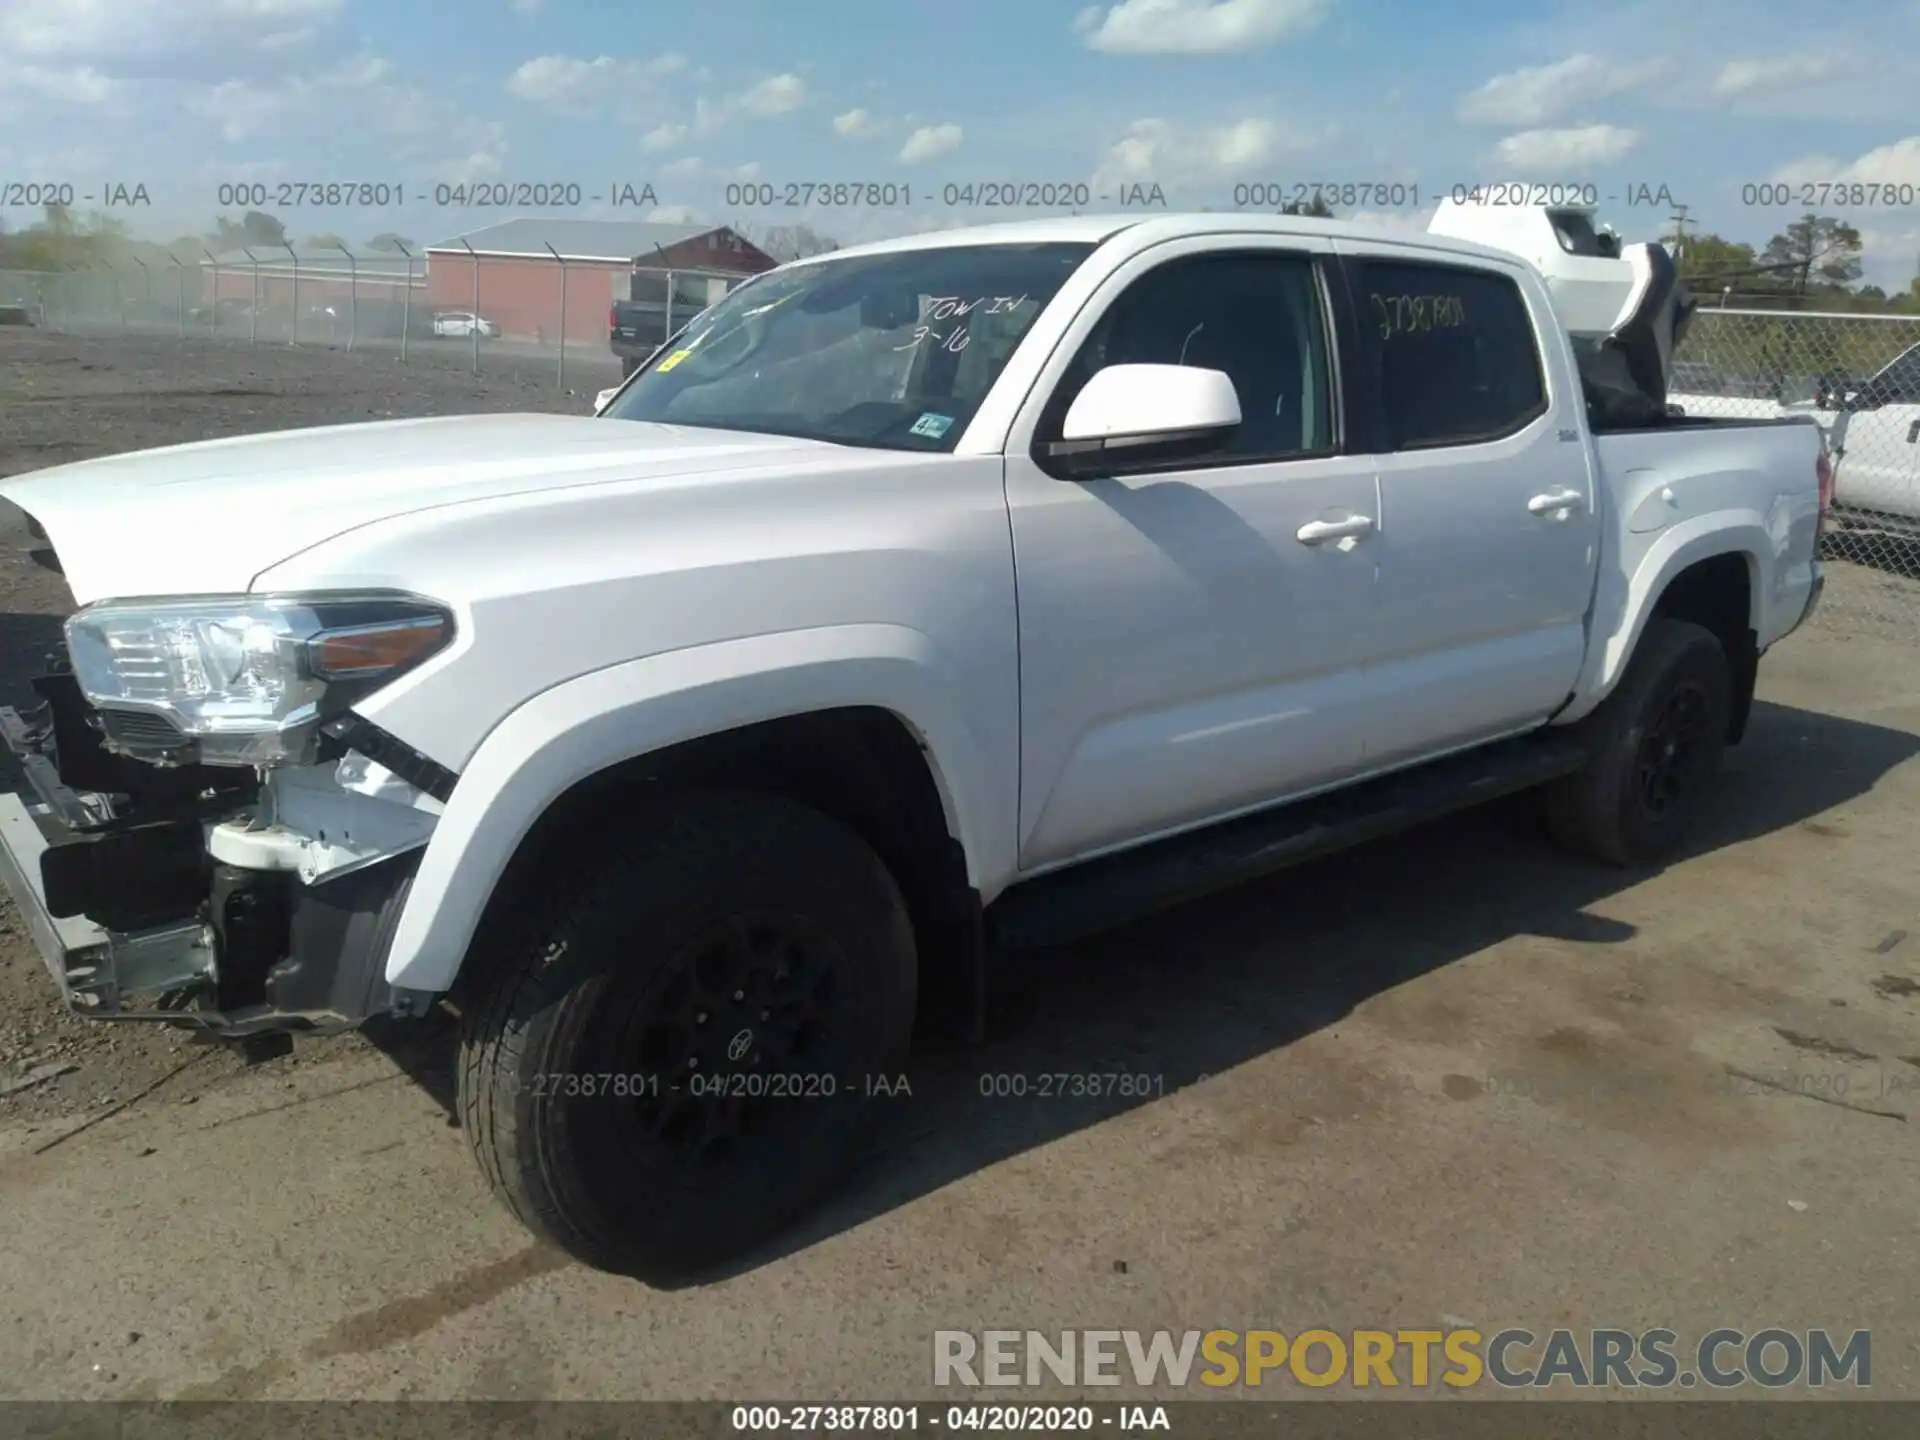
(1511, 1359)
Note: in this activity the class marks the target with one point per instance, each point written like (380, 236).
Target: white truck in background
(1873, 433)
(958, 593)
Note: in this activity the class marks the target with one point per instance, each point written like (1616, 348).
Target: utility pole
(1679, 231)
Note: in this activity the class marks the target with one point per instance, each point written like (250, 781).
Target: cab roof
(1143, 230)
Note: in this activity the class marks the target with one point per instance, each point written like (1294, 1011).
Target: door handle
(1913, 432)
(1555, 502)
(1316, 532)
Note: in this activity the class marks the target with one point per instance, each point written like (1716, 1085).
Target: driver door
(1186, 652)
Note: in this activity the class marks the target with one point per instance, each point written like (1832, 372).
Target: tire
(755, 937)
(1655, 743)
(628, 364)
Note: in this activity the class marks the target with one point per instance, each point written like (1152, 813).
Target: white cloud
(479, 165)
(146, 39)
(77, 85)
(361, 71)
(776, 95)
(1897, 164)
(1156, 149)
(362, 85)
(765, 99)
(1538, 151)
(569, 86)
(1743, 77)
(692, 167)
(662, 138)
(930, 142)
(526, 7)
(1887, 257)
(856, 125)
(1540, 93)
(674, 215)
(1195, 27)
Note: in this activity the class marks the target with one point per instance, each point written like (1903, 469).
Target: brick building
(518, 263)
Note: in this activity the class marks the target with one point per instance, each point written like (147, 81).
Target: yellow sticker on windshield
(672, 360)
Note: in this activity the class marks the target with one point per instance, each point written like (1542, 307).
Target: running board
(1068, 904)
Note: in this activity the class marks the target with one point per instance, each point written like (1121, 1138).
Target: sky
(1726, 107)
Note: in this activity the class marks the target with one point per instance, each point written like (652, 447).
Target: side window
(1459, 361)
(1900, 382)
(1258, 318)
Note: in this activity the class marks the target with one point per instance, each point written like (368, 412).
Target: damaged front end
(186, 859)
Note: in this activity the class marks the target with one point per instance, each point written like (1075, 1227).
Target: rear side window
(1899, 383)
(1458, 359)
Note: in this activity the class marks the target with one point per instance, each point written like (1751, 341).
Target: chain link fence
(471, 311)
(1858, 375)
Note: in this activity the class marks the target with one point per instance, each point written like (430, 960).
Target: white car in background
(1872, 427)
(462, 325)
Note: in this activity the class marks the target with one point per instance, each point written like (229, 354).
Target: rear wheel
(1655, 743)
(669, 1060)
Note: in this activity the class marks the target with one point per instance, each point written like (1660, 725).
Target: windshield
(894, 350)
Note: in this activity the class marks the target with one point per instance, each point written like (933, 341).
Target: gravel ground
(65, 398)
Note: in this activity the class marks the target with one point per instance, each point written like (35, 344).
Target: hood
(208, 517)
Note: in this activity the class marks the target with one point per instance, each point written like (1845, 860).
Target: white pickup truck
(1873, 433)
(942, 597)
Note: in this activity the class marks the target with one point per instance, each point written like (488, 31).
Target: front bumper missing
(97, 969)
(136, 920)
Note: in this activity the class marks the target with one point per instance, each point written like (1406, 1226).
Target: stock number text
(293, 194)
(804, 194)
(1816, 193)
(1274, 194)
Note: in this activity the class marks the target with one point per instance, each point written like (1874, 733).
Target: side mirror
(1126, 411)
(600, 400)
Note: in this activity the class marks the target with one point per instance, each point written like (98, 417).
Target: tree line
(61, 240)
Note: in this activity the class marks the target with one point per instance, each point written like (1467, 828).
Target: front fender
(567, 733)
(1625, 599)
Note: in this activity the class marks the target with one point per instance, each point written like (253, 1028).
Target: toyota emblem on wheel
(738, 1046)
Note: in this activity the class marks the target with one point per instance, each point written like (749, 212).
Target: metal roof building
(617, 241)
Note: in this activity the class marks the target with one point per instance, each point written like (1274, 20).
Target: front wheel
(1655, 743)
(674, 1055)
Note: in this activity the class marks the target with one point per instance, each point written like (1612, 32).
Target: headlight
(242, 679)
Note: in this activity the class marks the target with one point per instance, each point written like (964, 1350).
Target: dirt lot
(1457, 1077)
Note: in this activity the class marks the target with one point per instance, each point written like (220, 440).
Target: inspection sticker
(931, 425)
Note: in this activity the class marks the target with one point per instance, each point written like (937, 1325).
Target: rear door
(1488, 535)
